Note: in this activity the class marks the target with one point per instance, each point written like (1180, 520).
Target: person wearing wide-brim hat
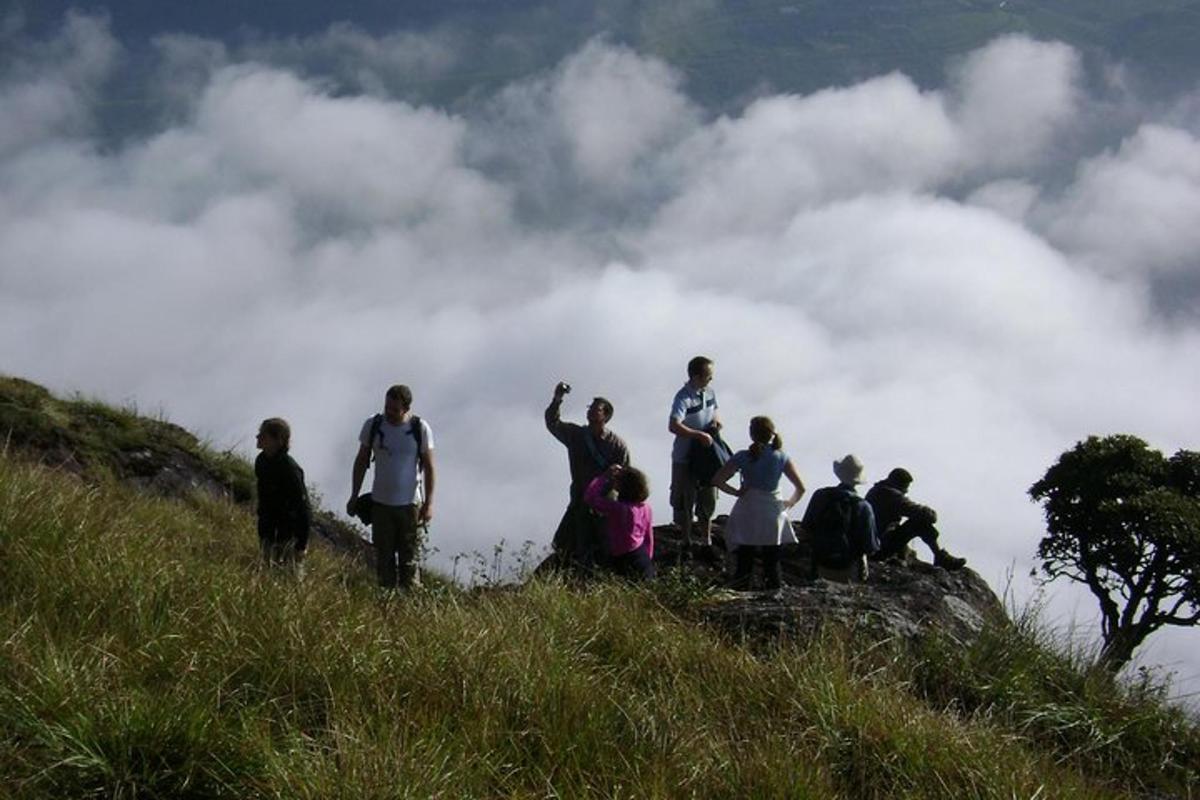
(841, 526)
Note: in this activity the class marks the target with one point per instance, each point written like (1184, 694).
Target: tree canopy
(1125, 521)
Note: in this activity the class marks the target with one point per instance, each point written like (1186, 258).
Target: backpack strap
(417, 434)
(376, 431)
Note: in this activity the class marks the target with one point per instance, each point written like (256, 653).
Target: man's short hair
(900, 478)
(278, 429)
(697, 365)
(605, 406)
(400, 393)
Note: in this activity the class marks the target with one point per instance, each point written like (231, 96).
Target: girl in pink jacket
(629, 523)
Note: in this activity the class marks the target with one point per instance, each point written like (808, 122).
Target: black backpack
(832, 532)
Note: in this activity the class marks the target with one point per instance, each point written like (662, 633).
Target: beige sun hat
(849, 469)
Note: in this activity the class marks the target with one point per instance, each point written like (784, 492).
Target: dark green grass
(144, 654)
(1023, 680)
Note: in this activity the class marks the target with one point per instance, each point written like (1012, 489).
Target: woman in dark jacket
(283, 513)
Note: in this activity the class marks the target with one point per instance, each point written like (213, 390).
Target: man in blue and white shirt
(694, 412)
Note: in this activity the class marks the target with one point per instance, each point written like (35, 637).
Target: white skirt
(758, 518)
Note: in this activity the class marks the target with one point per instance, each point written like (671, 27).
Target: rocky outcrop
(175, 471)
(899, 601)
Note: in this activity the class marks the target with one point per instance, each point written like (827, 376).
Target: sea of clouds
(963, 280)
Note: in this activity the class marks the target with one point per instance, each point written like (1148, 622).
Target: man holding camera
(591, 449)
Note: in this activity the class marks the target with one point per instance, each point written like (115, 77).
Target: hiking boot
(948, 562)
(708, 555)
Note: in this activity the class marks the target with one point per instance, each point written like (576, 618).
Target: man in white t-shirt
(402, 492)
(694, 412)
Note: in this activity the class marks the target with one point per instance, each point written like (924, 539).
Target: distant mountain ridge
(725, 49)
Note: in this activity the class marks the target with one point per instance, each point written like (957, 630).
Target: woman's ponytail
(762, 434)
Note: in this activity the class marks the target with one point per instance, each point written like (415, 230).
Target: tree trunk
(1118, 648)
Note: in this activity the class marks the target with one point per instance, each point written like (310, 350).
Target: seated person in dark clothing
(900, 520)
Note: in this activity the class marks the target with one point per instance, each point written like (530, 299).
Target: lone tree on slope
(1125, 521)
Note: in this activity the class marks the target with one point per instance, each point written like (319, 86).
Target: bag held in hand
(704, 462)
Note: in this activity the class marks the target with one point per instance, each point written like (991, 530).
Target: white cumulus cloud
(1134, 211)
(883, 269)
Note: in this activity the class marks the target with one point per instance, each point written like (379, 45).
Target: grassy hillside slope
(143, 654)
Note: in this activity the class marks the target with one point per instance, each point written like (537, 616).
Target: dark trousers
(281, 542)
(282, 553)
(394, 532)
(897, 537)
(636, 565)
(772, 571)
(579, 539)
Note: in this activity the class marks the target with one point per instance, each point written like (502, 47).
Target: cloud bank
(895, 271)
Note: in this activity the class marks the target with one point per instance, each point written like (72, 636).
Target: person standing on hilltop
(694, 420)
(758, 523)
(401, 499)
(283, 511)
(900, 520)
(591, 449)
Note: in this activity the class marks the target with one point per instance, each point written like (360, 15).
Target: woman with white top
(758, 524)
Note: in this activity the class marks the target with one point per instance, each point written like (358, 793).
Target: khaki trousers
(690, 501)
